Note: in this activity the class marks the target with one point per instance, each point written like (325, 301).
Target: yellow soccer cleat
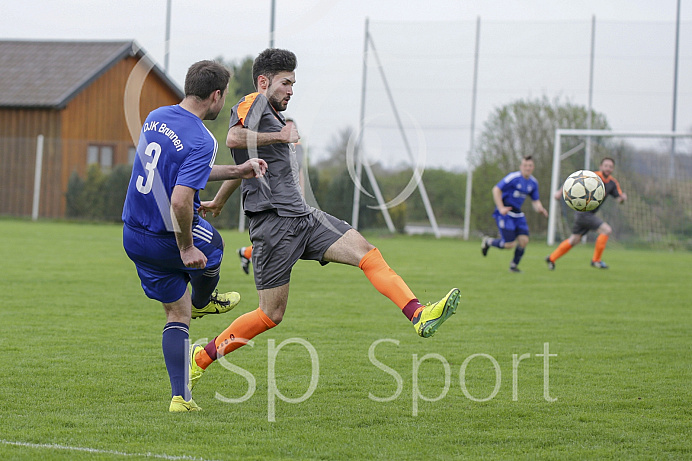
(179, 405)
(196, 371)
(219, 304)
(428, 319)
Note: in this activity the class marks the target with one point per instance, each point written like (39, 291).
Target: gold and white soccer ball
(583, 190)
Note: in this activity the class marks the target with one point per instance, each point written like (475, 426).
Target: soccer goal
(654, 169)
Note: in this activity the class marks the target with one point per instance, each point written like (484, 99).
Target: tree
(446, 192)
(100, 196)
(239, 86)
(333, 185)
(523, 127)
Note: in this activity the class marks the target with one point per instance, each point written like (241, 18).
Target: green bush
(100, 196)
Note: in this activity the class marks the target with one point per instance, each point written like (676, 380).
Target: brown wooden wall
(95, 116)
(19, 129)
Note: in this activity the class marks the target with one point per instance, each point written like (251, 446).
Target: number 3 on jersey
(153, 150)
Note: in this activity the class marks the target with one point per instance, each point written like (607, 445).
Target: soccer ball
(583, 190)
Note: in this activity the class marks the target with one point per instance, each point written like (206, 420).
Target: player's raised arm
(621, 197)
(240, 137)
(252, 168)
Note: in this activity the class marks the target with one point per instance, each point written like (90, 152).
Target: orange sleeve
(617, 184)
(245, 105)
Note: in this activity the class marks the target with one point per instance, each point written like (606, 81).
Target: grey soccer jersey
(279, 188)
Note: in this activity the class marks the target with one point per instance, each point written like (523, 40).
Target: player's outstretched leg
(560, 251)
(238, 333)
(491, 242)
(220, 303)
(428, 318)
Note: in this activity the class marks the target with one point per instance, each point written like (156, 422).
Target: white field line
(54, 446)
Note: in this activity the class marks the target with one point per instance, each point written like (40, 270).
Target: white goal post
(557, 157)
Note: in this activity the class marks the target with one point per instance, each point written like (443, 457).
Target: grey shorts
(278, 242)
(585, 221)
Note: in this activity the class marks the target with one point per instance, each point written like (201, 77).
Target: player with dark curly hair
(284, 228)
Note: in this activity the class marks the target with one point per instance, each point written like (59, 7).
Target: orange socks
(600, 246)
(247, 252)
(244, 328)
(565, 246)
(384, 279)
(249, 325)
(561, 249)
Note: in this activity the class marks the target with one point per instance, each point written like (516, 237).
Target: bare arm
(182, 212)
(216, 205)
(538, 207)
(253, 168)
(240, 137)
(497, 198)
(621, 195)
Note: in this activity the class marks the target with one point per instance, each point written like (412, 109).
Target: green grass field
(83, 375)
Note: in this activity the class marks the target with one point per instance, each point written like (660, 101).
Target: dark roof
(50, 73)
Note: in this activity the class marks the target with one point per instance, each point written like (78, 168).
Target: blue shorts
(510, 226)
(163, 275)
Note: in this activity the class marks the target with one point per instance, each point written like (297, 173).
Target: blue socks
(203, 286)
(518, 253)
(175, 345)
(499, 243)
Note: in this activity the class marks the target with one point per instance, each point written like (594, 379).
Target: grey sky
(327, 36)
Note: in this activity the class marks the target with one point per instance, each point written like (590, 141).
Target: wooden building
(86, 98)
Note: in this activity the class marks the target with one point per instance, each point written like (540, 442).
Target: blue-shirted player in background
(170, 244)
(509, 195)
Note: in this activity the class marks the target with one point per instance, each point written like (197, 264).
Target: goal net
(653, 169)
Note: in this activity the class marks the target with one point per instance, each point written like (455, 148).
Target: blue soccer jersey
(175, 148)
(515, 188)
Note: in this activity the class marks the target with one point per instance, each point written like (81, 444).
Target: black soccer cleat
(485, 245)
(244, 262)
(513, 268)
(551, 264)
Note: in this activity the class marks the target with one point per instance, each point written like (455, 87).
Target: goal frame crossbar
(557, 150)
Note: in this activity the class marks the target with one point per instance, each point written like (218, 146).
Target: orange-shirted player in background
(585, 221)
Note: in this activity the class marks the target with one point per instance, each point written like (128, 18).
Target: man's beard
(277, 104)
